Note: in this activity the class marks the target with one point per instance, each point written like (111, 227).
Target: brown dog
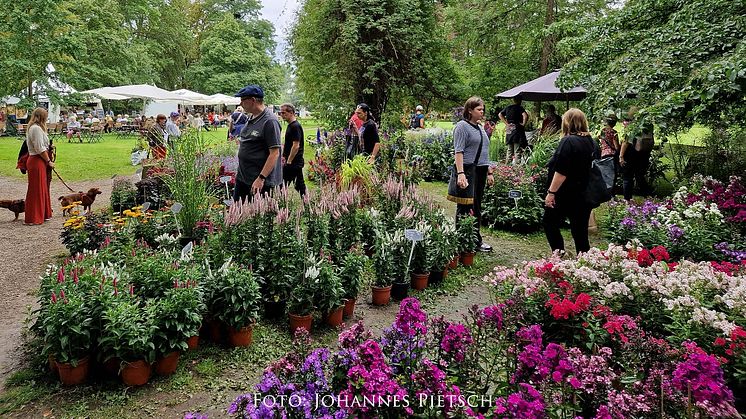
(16, 205)
(85, 199)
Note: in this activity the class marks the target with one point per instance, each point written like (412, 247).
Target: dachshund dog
(85, 199)
(16, 205)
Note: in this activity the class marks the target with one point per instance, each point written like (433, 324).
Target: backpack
(414, 122)
(645, 143)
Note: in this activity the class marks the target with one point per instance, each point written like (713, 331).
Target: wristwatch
(262, 177)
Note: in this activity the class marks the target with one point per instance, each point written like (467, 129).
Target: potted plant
(302, 299)
(467, 239)
(441, 255)
(355, 266)
(422, 257)
(176, 317)
(329, 292)
(385, 260)
(66, 325)
(127, 334)
(235, 300)
(123, 194)
(282, 265)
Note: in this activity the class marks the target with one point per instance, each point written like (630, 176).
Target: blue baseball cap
(251, 90)
(174, 113)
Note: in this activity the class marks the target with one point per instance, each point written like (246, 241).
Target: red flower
(644, 258)
(567, 308)
(719, 342)
(660, 253)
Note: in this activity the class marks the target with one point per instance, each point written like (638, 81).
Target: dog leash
(63, 182)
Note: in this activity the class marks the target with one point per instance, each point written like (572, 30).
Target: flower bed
(492, 364)
(705, 220)
(636, 298)
(501, 211)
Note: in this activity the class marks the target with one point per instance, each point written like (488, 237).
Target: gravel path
(25, 254)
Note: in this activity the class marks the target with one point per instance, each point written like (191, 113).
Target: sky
(280, 13)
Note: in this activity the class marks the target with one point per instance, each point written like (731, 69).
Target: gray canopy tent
(544, 89)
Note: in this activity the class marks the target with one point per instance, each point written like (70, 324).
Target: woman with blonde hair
(38, 202)
(569, 172)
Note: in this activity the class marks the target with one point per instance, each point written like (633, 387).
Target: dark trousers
(294, 174)
(634, 171)
(578, 215)
(475, 209)
(243, 191)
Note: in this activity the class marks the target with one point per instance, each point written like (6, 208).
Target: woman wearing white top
(38, 202)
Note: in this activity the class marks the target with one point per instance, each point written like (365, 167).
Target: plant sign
(225, 180)
(414, 236)
(228, 202)
(145, 206)
(186, 251)
(138, 173)
(176, 208)
(516, 195)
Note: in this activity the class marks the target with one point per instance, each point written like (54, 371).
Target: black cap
(251, 90)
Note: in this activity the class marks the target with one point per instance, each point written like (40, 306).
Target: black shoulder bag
(465, 196)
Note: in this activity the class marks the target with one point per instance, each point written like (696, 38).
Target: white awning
(138, 91)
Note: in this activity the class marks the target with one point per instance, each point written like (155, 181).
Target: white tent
(137, 91)
(220, 98)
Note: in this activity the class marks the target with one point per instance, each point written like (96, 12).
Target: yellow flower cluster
(134, 213)
(72, 205)
(75, 222)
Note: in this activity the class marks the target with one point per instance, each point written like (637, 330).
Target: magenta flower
(455, 341)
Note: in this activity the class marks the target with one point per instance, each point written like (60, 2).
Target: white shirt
(172, 129)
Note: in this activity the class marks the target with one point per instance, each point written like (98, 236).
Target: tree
(682, 61)
(349, 51)
(230, 58)
(34, 33)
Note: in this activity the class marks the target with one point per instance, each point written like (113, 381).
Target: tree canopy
(209, 45)
(680, 61)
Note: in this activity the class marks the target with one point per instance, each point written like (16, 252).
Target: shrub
(123, 195)
(501, 211)
(233, 296)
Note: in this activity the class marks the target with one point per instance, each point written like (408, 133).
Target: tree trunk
(546, 52)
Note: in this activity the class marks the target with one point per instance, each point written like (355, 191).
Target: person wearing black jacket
(569, 172)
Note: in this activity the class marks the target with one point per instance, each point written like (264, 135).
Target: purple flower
(492, 314)
(525, 404)
(675, 232)
(455, 341)
(628, 222)
(701, 374)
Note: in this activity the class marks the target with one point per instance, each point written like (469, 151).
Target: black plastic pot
(436, 277)
(399, 291)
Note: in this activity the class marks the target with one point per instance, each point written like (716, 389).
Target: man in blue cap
(259, 165)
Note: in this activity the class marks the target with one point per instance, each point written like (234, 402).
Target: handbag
(598, 190)
(465, 196)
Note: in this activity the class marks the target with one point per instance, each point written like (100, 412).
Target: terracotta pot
(167, 365)
(296, 322)
(241, 337)
(381, 295)
(399, 291)
(72, 376)
(349, 308)
(453, 264)
(215, 328)
(436, 277)
(112, 366)
(193, 342)
(467, 258)
(419, 281)
(136, 373)
(274, 309)
(334, 318)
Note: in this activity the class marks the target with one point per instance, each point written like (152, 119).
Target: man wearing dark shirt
(292, 152)
(515, 118)
(259, 166)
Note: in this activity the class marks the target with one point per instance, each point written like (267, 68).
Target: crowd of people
(266, 161)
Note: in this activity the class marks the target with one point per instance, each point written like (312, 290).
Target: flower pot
(112, 366)
(183, 241)
(241, 337)
(334, 318)
(193, 342)
(72, 376)
(381, 295)
(399, 291)
(349, 308)
(167, 365)
(419, 281)
(296, 322)
(436, 277)
(467, 258)
(215, 330)
(274, 309)
(453, 264)
(136, 373)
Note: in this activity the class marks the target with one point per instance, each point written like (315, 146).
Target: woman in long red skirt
(38, 201)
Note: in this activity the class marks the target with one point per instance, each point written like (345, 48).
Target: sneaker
(484, 247)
